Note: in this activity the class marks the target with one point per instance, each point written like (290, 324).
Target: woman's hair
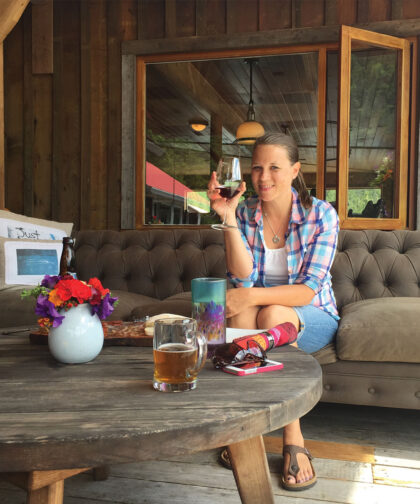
(288, 143)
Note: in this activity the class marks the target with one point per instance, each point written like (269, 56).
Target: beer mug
(179, 352)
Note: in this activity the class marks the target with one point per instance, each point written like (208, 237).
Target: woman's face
(272, 172)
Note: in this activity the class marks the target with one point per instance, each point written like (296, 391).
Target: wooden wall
(63, 129)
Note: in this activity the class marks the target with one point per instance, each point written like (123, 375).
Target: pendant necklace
(276, 237)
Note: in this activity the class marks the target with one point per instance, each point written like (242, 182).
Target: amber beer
(179, 352)
(175, 363)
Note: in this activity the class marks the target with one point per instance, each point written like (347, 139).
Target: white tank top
(276, 270)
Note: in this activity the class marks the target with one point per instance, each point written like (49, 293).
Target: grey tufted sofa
(376, 276)
(376, 357)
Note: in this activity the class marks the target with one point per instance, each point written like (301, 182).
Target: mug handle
(202, 349)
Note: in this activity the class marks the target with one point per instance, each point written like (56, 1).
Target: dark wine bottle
(68, 258)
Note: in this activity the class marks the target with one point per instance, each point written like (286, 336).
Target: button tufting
(371, 390)
(327, 387)
(417, 394)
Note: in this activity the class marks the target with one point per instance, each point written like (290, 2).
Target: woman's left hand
(238, 300)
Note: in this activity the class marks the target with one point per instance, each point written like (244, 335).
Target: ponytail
(300, 186)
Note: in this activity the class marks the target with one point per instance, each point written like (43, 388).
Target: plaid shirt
(311, 242)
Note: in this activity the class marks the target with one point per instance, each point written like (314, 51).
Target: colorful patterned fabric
(311, 242)
(281, 334)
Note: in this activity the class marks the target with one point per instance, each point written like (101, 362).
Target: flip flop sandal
(224, 459)
(294, 468)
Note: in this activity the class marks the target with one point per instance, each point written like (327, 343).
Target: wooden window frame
(349, 34)
(142, 61)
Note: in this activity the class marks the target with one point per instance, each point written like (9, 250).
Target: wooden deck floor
(379, 464)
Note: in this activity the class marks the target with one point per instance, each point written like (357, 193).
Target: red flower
(95, 299)
(80, 291)
(63, 289)
(96, 284)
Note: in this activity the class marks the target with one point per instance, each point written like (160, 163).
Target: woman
(279, 258)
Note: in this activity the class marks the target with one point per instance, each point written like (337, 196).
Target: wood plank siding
(63, 110)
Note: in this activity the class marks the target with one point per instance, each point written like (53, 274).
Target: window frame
(347, 35)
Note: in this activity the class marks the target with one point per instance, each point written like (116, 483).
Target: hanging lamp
(249, 130)
(198, 124)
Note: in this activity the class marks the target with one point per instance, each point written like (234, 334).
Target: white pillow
(29, 228)
(25, 262)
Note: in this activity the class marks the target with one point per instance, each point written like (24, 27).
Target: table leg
(250, 468)
(51, 494)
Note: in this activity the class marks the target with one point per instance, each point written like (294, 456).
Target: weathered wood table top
(57, 416)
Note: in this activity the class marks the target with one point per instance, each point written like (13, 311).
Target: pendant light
(250, 129)
(198, 125)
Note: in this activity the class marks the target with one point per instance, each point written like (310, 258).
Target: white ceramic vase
(79, 338)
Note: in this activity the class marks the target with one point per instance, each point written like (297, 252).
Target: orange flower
(55, 298)
(44, 322)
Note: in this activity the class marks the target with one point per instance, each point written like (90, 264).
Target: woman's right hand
(221, 205)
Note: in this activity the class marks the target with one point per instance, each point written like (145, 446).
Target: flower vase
(79, 338)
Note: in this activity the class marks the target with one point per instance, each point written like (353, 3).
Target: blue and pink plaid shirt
(311, 242)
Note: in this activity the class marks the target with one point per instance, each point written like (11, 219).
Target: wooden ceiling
(285, 98)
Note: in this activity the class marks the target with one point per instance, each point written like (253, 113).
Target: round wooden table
(57, 420)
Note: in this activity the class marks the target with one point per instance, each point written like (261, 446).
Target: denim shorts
(317, 328)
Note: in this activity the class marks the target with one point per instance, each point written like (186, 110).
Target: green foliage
(35, 292)
(358, 198)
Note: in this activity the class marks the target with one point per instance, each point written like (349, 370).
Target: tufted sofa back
(374, 264)
(156, 263)
(161, 263)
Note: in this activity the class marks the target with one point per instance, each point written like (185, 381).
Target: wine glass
(229, 177)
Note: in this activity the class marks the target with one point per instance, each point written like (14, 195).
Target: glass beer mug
(179, 352)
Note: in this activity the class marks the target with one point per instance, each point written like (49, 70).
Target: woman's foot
(292, 436)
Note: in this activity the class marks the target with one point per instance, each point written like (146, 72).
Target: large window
(193, 110)
(351, 143)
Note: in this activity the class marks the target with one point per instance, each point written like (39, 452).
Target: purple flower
(50, 281)
(45, 308)
(105, 308)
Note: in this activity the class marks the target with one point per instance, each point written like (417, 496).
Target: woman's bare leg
(246, 319)
(270, 316)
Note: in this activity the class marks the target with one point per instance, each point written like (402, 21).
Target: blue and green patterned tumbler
(209, 310)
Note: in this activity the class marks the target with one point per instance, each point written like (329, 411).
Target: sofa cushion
(29, 228)
(326, 354)
(127, 302)
(384, 329)
(16, 311)
(178, 304)
(158, 263)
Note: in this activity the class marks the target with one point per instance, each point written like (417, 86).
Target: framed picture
(26, 262)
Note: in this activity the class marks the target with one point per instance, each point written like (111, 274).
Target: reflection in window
(373, 130)
(180, 159)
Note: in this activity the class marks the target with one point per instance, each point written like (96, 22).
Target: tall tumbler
(209, 310)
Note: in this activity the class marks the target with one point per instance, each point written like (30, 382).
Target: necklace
(276, 237)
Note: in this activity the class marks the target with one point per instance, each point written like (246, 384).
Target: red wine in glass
(228, 191)
(229, 178)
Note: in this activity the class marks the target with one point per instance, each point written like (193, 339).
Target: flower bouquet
(70, 309)
(56, 295)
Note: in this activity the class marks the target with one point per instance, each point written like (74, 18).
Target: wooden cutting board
(117, 333)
